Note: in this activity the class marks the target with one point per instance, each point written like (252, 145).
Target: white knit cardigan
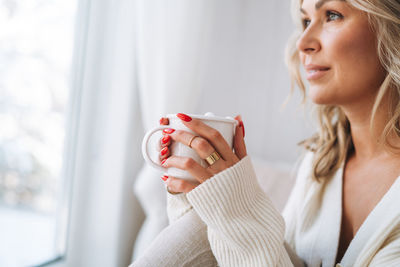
(244, 229)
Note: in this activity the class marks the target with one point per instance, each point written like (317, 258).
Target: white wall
(244, 73)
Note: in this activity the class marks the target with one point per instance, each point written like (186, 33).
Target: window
(36, 41)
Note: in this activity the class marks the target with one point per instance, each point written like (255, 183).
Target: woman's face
(338, 51)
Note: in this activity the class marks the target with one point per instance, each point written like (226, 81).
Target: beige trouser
(183, 243)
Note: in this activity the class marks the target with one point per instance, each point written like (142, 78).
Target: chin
(320, 96)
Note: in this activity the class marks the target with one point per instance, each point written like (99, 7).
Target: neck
(366, 141)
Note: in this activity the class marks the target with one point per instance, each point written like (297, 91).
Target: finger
(177, 185)
(164, 121)
(164, 153)
(202, 147)
(211, 134)
(188, 164)
(238, 140)
(164, 142)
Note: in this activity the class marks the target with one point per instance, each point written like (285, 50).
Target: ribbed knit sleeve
(244, 229)
(177, 206)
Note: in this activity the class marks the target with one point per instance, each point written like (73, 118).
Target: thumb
(238, 141)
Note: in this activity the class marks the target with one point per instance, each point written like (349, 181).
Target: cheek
(356, 63)
(355, 53)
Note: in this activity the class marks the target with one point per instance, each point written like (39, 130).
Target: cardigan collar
(383, 213)
(371, 230)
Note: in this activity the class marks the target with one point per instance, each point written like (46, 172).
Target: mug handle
(145, 147)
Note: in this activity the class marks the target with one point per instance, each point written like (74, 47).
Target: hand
(208, 141)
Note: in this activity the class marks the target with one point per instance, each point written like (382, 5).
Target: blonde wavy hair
(333, 139)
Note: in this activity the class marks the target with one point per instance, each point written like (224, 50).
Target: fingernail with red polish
(166, 139)
(184, 117)
(162, 162)
(164, 177)
(238, 118)
(164, 151)
(168, 131)
(242, 126)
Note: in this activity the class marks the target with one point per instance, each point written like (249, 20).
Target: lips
(315, 71)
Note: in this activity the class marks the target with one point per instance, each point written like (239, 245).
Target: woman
(344, 207)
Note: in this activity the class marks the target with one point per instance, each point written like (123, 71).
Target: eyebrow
(319, 4)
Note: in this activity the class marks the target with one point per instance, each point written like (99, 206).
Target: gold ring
(191, 140)
(213, 158)
(172, 193)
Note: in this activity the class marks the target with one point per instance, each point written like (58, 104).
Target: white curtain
(103, 144)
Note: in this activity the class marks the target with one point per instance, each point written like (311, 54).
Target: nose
(309, 42)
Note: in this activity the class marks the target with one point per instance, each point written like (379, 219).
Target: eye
(305, 23)
(331, 15)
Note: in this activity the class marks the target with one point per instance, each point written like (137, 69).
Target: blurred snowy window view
(36, 40)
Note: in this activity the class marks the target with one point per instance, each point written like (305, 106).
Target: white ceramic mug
(226, 126)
